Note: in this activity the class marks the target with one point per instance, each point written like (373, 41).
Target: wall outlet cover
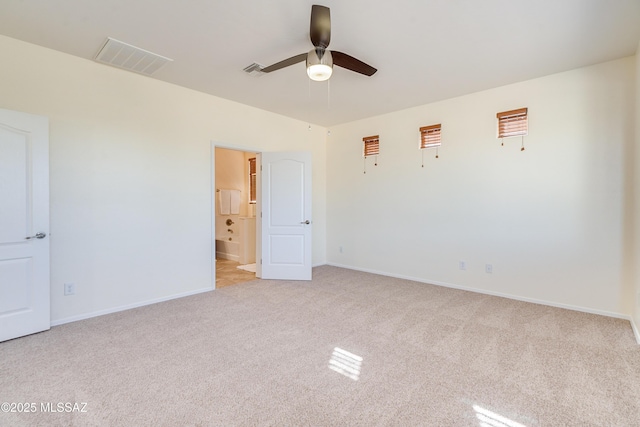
(69, 288)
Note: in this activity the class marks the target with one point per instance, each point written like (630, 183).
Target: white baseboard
(126, 307)
(497, 294)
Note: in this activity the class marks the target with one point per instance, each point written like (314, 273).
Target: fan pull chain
(422, 151)
(436, 153)
(364, 166)
(502, 142)
(376, 163)
(522, 140)
(309, 102)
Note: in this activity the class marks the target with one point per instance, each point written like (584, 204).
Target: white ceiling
(425, 50)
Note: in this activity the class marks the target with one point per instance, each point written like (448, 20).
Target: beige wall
(131, 175)
(550, 219)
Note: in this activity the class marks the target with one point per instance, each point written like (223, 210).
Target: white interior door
(24, 224)
(285, 202)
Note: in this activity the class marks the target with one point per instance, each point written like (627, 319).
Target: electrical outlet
(462, 265)
(69, 289)
(488, 268)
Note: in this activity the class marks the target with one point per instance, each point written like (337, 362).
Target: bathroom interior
(235, 216)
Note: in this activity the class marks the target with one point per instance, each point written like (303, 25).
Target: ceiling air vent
(127, 57)
(254, 69)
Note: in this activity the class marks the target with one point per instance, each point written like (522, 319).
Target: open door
(285, 224)
(24, 224)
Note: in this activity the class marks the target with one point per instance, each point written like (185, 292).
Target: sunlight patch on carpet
(488, 418)
(345, 363)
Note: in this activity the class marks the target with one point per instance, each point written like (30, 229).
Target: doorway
(234, 211)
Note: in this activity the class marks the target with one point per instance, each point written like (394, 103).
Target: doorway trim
(212, 192)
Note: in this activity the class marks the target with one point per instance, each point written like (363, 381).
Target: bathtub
(228, 248)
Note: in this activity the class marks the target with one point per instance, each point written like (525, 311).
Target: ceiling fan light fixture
(319, 72)
(319, 64)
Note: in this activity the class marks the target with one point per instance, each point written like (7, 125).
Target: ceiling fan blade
(320, 29)
(350, 63)
(285, 63)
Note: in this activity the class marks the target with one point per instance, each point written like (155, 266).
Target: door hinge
(260, 261)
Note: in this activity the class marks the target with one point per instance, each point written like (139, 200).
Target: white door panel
(24, 212)
(15, 153)
(14, 271)
(286, 215)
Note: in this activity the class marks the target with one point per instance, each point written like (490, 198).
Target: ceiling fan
(320, 60)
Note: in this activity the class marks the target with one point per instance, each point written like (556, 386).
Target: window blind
(371, 145)
(512, 123)
(430, 136)
(252, 180)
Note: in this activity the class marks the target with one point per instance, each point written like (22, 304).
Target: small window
(371, 148)
(430, 136)
(252, 180)
(513, 123)
(371, 145)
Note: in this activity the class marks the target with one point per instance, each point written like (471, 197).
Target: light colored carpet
(247, 267)
(348, 348)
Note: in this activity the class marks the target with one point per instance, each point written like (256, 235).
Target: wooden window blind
(252, 180)
(513, 123)
(371, 145)
(430, 136)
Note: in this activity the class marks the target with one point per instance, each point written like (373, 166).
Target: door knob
(306, 222)
(40, 235)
